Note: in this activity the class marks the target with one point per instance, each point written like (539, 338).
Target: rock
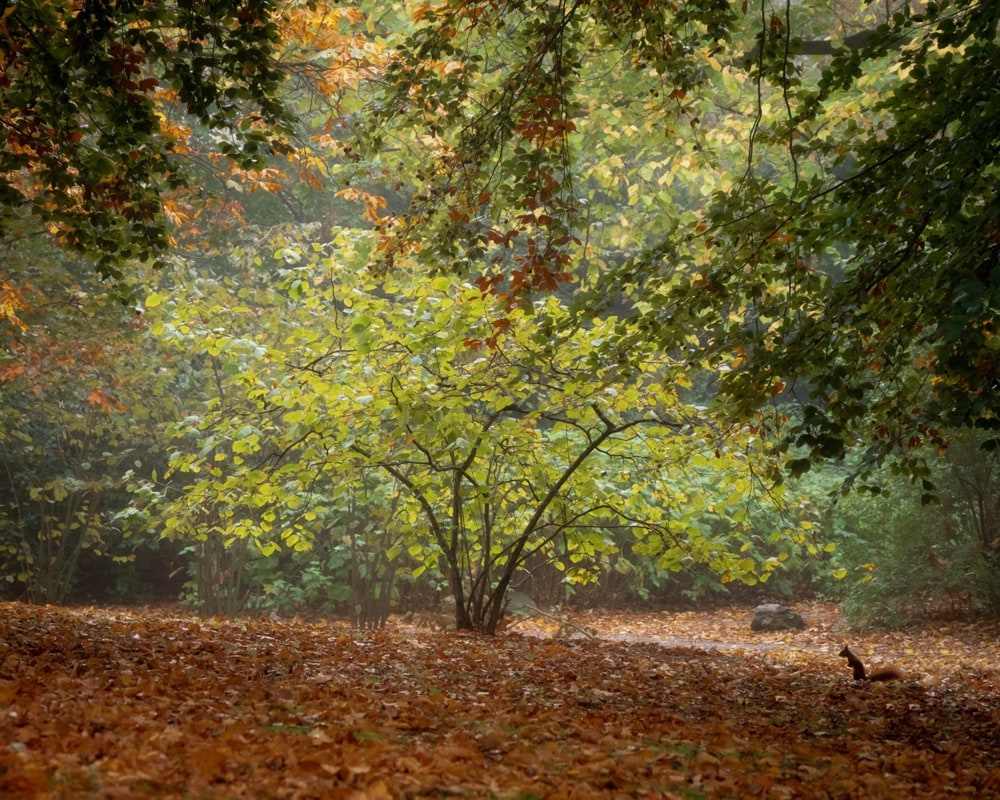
(776, 617)
(520, 605)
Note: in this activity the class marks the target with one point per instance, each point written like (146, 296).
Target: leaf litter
(144, 703)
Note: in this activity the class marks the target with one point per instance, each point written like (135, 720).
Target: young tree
(501, 447)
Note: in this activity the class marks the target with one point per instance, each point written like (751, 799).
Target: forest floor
(142, 703)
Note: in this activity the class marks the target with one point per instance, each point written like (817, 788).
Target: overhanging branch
(831, 47)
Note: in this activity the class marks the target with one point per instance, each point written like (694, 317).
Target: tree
(81, 407)
(850, 264)
(89, 145)
(498, 448)
(867, 271)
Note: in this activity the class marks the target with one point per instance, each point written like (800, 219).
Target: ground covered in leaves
(106, 704)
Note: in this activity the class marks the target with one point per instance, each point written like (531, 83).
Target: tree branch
(830, 47)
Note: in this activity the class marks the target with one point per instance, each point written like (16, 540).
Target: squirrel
(887, 673)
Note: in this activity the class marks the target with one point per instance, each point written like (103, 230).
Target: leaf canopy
(89, 93)
(846, 258)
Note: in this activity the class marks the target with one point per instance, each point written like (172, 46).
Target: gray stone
(776, 617)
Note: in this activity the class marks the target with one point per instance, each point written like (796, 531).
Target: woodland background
(358, 309)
